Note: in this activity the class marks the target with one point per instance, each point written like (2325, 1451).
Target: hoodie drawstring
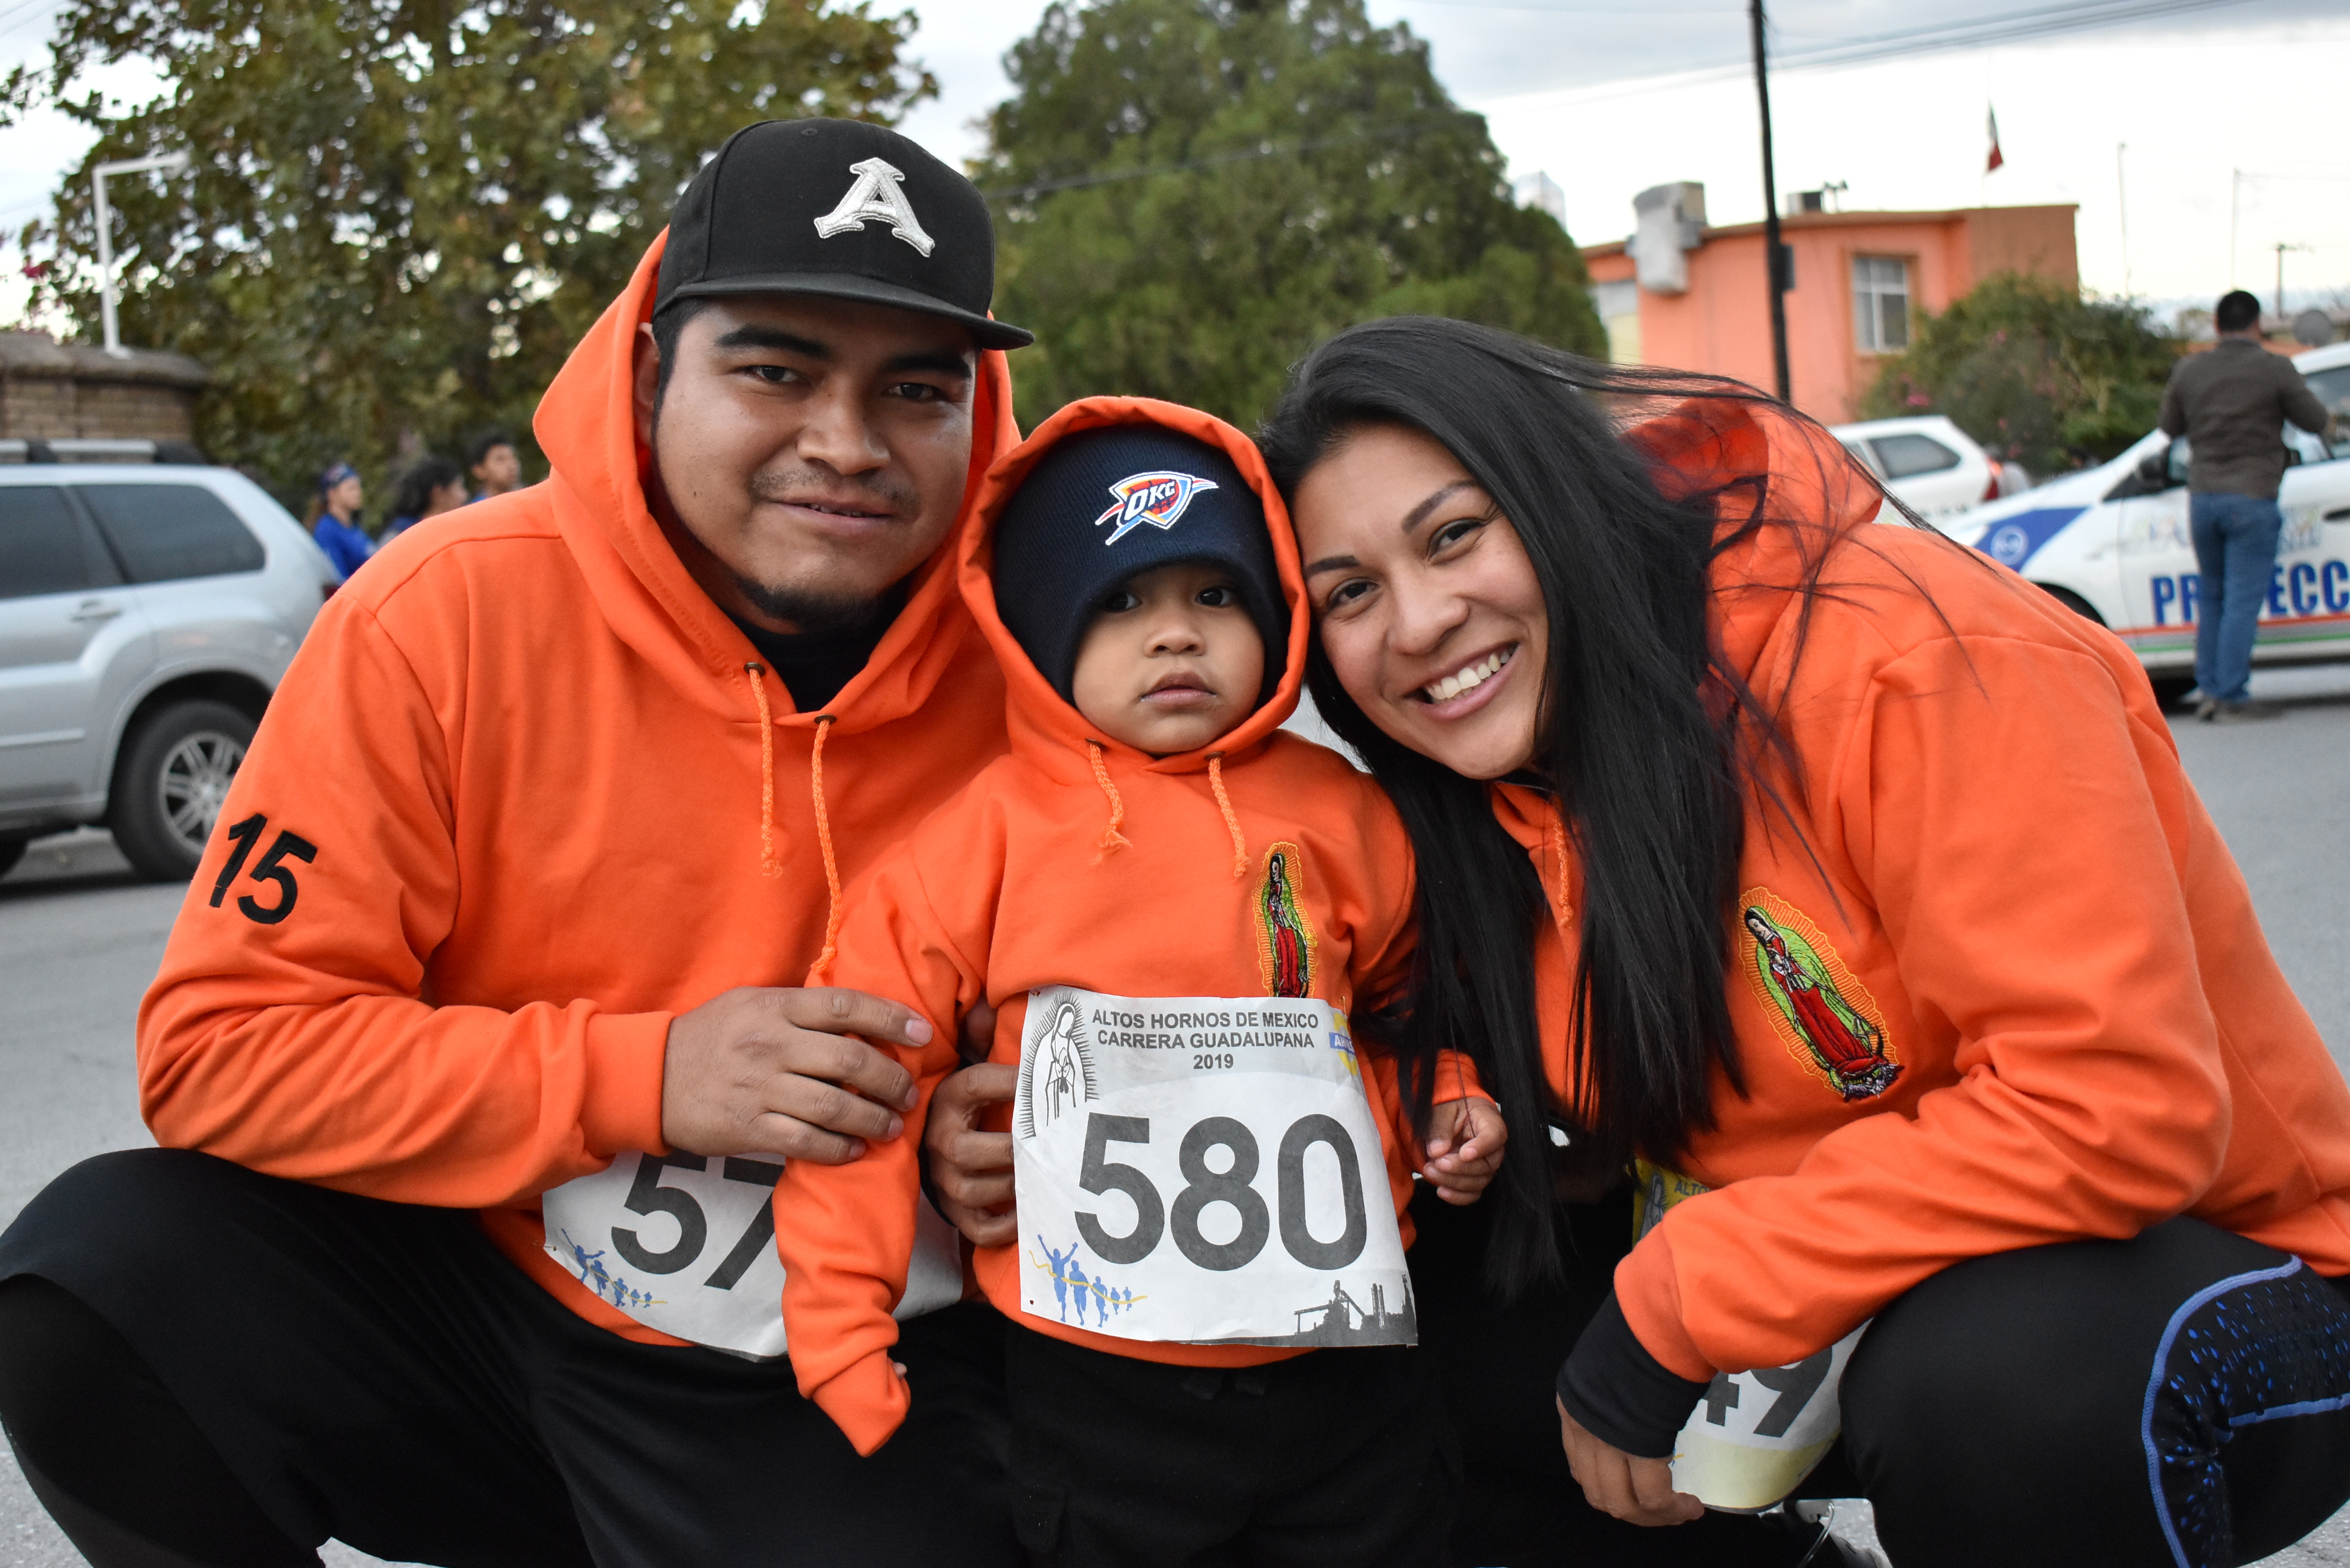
(1231, 818)
(824, 723)
(1112, 837)
(1554, 840)
(768, 864)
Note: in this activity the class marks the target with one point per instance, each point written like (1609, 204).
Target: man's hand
(1638, 1490)
(761, 1070)
(969, 1171)
(1465, 1138)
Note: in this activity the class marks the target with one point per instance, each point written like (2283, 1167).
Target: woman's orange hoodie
(1076, 860)
(541, 797)
(2003, 984)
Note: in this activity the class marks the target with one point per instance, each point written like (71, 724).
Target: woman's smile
(1470, 687)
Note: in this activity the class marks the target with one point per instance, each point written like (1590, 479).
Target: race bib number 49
(1757, 1434)
(686, 1244)
(1203, 1168)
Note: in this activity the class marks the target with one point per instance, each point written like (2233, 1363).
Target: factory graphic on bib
(1821, 1011)
(1342, 1319)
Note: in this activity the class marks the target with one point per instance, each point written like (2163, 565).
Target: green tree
(1190, 193)
(2032, 370)
(399, 214)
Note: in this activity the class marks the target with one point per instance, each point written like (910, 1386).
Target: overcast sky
(1586, 91)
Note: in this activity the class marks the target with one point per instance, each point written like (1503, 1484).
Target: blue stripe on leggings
(2188, 1309)
(2306, 1407)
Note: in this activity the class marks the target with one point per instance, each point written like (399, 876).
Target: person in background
(492, 463)
(2231, 405)
(333, 519)
(431, 485)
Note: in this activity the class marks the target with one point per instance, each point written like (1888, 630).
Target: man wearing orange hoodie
(1177, 907)
(507, 898)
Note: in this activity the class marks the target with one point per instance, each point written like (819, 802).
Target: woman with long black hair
(1839, 896)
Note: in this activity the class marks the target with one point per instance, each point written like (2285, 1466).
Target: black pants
(2181, 1399)
(202, 1366)
(1340, 1458)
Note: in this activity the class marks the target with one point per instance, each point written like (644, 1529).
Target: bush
(2033, 372)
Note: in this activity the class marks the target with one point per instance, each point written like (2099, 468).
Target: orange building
(1682, 294)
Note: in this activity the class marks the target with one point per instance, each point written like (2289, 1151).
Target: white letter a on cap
(875, 194)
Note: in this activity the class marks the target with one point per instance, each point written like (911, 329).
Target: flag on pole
(1996, 158)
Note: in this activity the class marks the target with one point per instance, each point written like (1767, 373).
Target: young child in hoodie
(1173, 904)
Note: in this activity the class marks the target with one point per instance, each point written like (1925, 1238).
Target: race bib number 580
(1203, 1168)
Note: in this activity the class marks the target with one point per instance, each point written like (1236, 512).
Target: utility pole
(2121, 191)
(106, 237)
(2281, 248)
(1774, 254)
(2235, 206)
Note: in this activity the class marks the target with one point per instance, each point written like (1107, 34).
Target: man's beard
(807, 612)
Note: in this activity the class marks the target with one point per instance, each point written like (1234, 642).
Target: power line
(2005, 27)
(46, 10)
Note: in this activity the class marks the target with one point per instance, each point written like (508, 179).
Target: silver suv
(147, 611)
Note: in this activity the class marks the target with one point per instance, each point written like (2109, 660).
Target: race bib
(1756, 1434)
(686, 1244)
(1203, 1168)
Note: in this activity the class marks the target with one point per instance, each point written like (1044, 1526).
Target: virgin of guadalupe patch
(1824, 1015)
(1284, 937)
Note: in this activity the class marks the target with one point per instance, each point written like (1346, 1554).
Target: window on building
(1618, 304)
(1880, 304)
(166, 532)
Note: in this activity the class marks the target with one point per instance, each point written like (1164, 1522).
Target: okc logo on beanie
(1053, 576)
(1158, 499)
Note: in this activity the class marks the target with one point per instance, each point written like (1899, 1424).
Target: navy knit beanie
(1107, 506)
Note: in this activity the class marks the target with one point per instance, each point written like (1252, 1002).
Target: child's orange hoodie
(2006, 988)
(1008, 888)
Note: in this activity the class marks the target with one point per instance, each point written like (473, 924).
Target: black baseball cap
(840, 209)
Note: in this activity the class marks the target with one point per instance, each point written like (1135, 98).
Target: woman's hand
(1465, 1138)
(1636, 1490)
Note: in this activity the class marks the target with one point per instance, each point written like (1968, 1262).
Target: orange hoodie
(1009, 887)
(507, 821)
(2021, 997)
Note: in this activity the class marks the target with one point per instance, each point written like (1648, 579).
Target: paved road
(79, 940)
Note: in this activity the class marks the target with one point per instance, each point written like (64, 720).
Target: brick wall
(50, 389)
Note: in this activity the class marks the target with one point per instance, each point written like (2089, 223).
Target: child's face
(1170, 662)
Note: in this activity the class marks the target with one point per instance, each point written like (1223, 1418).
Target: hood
(586, 426)
(1811, 494)
(1042, 724)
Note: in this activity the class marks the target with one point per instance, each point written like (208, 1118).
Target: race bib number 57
(686, 1244)
(1203, 1168)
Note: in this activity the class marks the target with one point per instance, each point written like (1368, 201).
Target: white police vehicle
(2112, 543)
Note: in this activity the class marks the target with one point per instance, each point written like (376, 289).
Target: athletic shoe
(2205, 707)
